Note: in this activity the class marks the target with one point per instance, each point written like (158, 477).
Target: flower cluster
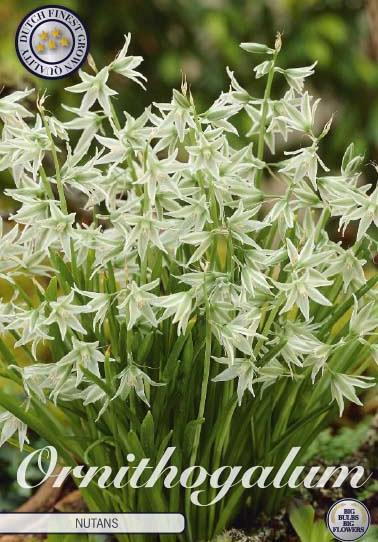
(204, 278)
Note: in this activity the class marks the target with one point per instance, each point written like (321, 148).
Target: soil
(279, 529)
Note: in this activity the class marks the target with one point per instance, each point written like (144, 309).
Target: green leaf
(164, 443)
(302, 519)
(372, 535)
(52, 290)
(345, 306)
(65, 275)
(7, 354)
(40, 423)
(66, 538)
(187, 356)
(320, 532)
(157, 267)
(147, 435)
(111, 280)
(175, 352)
(189, 433)
(145, 348)
(93, 445)
(366, 493)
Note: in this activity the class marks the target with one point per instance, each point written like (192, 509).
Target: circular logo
(348, 519)
(52, 42)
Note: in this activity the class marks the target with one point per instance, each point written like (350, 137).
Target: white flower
(195, 213)
(257, 48)
(282, 211)
(138, 303)
(95, 88)
(10, 109)
(64, 313)
(304, 163)
(236, 335)
(89, 122)
(263, 68)
(179, 305)
(58, 227)
(344, 386)
(296, 76)
(83, 354)
(301, 288)
(240, 225)
(242, 369)
(207, 155)
(23, 148)
(254, 280)
(125, 65)
(157, 171)
(301, 119)
(180, 117)
(367, 212)
(93, 394)
(65, 388)
(32, 327)
(306, 258)
(146, 229)
(9, 248)
(99, 304)
(10, 426)
(34, 208)
(349, 267)
(220, 112)
(133, 378)
(40, 378)
(301, 343)
(129, 139)
(363, 321)
(318, 360)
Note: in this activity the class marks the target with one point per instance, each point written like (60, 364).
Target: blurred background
(201, 38)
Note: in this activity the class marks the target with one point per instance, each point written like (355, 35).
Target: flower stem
(46, 183)
(267, 327)
(264, 114)
(115, 117)
(201, 410)
(59, 183)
